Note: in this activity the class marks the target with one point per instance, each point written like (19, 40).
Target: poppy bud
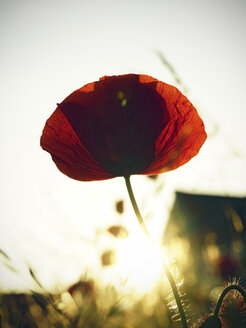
(211, 322)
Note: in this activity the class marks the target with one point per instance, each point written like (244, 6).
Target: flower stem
(135, 207)
(167, 271)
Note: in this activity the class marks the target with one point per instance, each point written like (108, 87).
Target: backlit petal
(183, 136)
(118, 122)
(68, 153)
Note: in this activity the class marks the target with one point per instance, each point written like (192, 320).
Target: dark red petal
(118, 122)
(182, 137)
(68, 153)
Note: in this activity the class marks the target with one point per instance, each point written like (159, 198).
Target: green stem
(167, 271)
(135, 207)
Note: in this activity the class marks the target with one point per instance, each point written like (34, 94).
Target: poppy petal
(60, 140)
(118, 122)
(182, 137)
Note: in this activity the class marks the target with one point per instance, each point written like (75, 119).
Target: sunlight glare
(139, 263)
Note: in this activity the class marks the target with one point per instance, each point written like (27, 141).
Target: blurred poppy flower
(118, 231)
(85, 287)
(122, 125)
(108, 257)
(119, 206)
(227, 266)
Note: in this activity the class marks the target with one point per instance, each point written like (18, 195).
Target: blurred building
(207, 237)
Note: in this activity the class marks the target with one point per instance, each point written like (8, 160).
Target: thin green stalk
(135, 207)
(167, 271)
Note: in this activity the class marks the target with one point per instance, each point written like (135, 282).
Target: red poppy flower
(123, 125)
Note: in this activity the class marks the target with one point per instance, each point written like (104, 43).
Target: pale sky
(49, 49)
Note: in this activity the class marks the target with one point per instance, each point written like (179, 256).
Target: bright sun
(139, 263)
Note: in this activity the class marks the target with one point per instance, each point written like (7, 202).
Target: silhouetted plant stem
(223, 294)
(135, 207)
(167, 271)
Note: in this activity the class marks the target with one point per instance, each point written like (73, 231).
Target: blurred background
(58, 230)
